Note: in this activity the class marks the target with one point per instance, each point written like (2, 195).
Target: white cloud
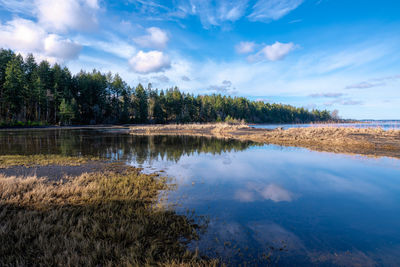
(22, 34)
(274, 52)
(276, 193)
(267, 10)
(113, 45)
(214, 13)
(57, 47)
(156, 38)
(217, 13)
(364, 85)
(224, 88)
(161, 79)
(245, 47)
(269, 192)
(328, 95)
(147, 62)
(185, 78)
(63, 15)
(25, 36)
(21, 6)
(231, 10)
(277, 51)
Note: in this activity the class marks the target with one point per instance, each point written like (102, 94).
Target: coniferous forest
(38, 93)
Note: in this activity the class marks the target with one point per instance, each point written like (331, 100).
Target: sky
(327, 54)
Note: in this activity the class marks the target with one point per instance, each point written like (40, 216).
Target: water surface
(385, 125)
(305, 208)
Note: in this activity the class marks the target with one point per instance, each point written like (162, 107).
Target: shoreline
(69, 127)
(371, 142)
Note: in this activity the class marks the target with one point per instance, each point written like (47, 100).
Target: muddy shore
(369, 141)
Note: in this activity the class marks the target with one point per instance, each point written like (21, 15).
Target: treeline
(38, 92)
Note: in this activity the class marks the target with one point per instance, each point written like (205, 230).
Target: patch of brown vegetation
(110, 218)
(367, 141)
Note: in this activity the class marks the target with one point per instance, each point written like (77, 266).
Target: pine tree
(14, 88)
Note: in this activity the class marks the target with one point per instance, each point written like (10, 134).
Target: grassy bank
(112, 218)
(368, 141)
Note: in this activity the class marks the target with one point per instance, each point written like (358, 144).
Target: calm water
(312, 208)
(385, 125)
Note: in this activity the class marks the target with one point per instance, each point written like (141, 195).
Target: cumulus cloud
(274, 52)
(155, 38)
(267, 10)
(147, 62)
(25, 36)
(22, 34)
(55, 46)
(245, 47)
(277, 51)
(62, 15)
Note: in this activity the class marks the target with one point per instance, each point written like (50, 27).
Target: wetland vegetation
(112, 218)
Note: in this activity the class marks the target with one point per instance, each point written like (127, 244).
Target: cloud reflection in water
(271, 191)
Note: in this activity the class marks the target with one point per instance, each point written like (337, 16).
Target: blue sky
(327, 54)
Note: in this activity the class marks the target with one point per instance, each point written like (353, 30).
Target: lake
(300, 207)
(385, 125)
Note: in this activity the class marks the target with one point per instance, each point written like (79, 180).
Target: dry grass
(100, 219)
(367, 141)
(207, 129)
(7, 161)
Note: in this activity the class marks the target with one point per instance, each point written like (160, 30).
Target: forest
(38, 93)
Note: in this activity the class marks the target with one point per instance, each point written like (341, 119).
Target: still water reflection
(384, 125)
(305, 208)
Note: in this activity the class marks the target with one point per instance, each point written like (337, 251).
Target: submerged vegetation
(33, 94)
(112, 218)
(7, 161)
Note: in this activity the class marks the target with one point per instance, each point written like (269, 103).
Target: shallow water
(385, 125)
(304, 208)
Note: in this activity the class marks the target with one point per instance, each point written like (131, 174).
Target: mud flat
(369, 141)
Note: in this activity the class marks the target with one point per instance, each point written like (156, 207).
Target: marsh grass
(7, 161)
(98, 219)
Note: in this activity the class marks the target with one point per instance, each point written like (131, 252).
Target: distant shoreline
(127, 126)
(68, 127)
(362, 141)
